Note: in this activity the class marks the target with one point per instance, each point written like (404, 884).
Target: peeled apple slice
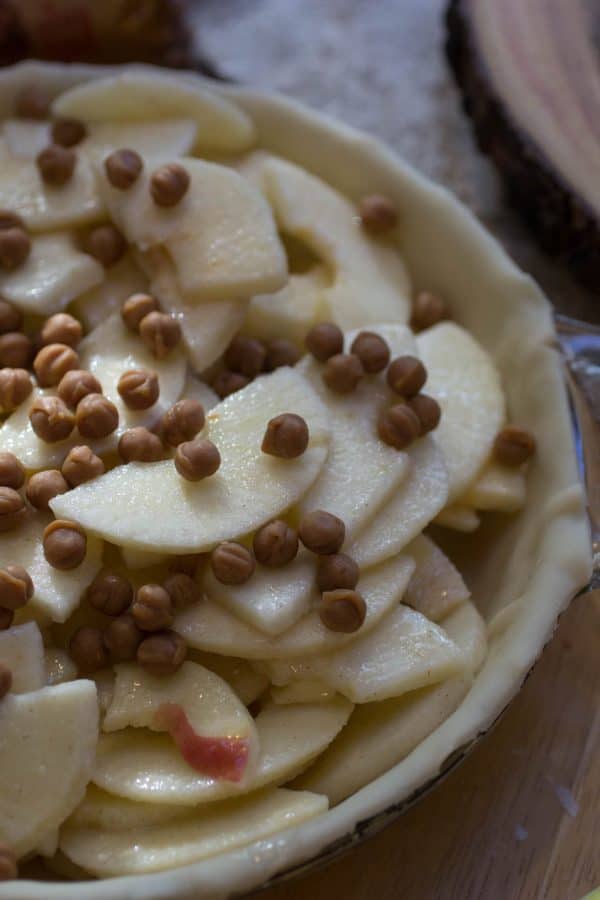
(497, 488)
(458, 518)
(148, 767)
(370, 281)
(58, 666)
(465, 626)
(436, 587)
(221, 237)
(101, 810)
(165, 139)
(22, 651)
(291, 312)
(212, 729)
(56, 593)
(314, 691)
(25, 138)
(47, 750)
(18, 437)
(245, 681)
(462, 377)
(208, 626)
(195, 389)
(225, 827)
(120, 281)
(160, 511)
(54, 273)
(409, 510)
(138, 96)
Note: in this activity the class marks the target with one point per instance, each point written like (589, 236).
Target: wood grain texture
(519, 820)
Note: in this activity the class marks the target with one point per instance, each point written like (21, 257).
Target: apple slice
(141, 559)
(58, 666)
(164, 139)
(412, 507)
(208, 626)
(25, 138)
(463, 378)
(160, 511)
(18, 437)
(47, 750)
(370, 282)
(245, 681)
(101, 810)
(437, 587)
(196, 389)
(120, 281)
(309, 691)
(54, 274)
(137, 96)
(56, 593)
(458, 518)
(221, 236)
(226, 827)
(465, 626)
(291, 312)
(22, 650)
(273, 600)
(147, 767)
(497, 488)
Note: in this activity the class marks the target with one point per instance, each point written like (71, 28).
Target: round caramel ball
(140, 445)
(81, 464)
(427, 410)
(427, 310)
(12, 473)
(65, 544)
(16, 349)
(16, 587)
(77, 384)
(33, 102)
(15, 387)
(406, 375)
(324, 341)
(337, 571)
(342, 610)
(123, 168)
(61, 329)
(232, 563)
(322, 532)
(51, 420)
(54, 361)
(56, 165)
(399, 426)
(160, 332)
(67, 132)
(6, 618)
(245, 355)
(110, 593)
(5, 683)
(513, 446)
(286, 436)
(86, 649)
(152, 609)
(342, 373)
(96, 416)
(106, 244)
(12, 509)
(15, 247)
(372, 351)
(281, 352)
(197, 459)
(275, 544)
(122, 638)
(11, 318)
(43, 487)
(8, 863)
(182, 422)
(138, 388)
(169, 184)
(136, 308)
(182, 589)
(378, 215)
(227, 383)
(163, 653)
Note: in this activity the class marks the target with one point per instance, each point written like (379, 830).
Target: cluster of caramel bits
(168, 184)
(160, 332)
(16, 589)
(247, 357)
(15, 243)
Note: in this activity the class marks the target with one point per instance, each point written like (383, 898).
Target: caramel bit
(399, 426)
(8, 863)
(428, 412)
(152, 609)
(227, 383)
(137, 307)
(275, 544)
(56, 164)
(281, 352)
(140, 445)
(123, 168)
(16, 587)
(138, 388)
(81, 465)
(15, 247)
(65, 544)
(245, 355)
(182, 589)
(322, 532)
(5, 686)
(169, 184)
(337, 571)
(51, 419)
(286, 436)
(122, 638)
(427, 310)
(187, 564)
(406, 376)
(61, 329)
(110, 593)
(514, 446)
(6, 618)
(12, 509)
(10, 219)
(96, 416)
(378, 214)
(232, 563)
(15, 387)
(32, 103)
(54, 361)
(182, 422)
(342, 610)
(16, 349)
(372, 351)
(43, 487)
(162, 653)
(12, 473)
(106, 244)
(160, 332)
(11, 318)
(77, 384)
(324, 341)
(86, 649)
(197, 459)
(342, 373)
(68, 132)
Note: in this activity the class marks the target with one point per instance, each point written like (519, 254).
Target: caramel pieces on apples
(514, 446)
(286, 436)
